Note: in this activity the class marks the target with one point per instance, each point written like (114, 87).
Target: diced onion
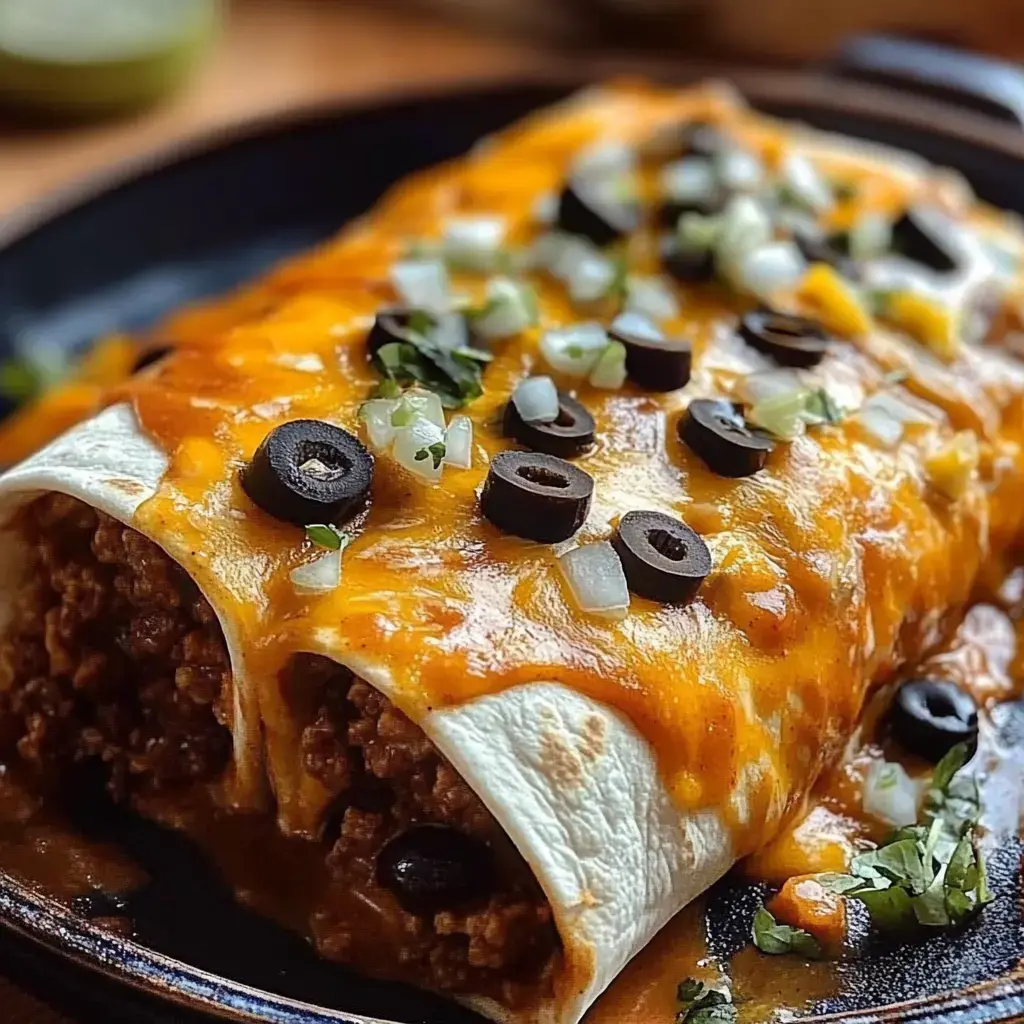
(870, 236)
(769, 384)
(536, 400)
(805, 185)
(783, 416)
(590, 278)
(376, 414)
(697, 231)
(634, 322)
(890, 795)
(885, 414)
(745, 226)
(473, 243)
(574, 350)
(691, 180)
(422, 284)
(459, 443)
(545, 209)
(426, 404)
(420, 434)
(319, 576)
(511, 308)
(609, 371)
(739, 170)
(651, 296)
(767, 270)
(596, 578)
(605, 159)
(450, 332)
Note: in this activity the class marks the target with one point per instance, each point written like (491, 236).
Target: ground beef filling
(113, 657)
(387, 778)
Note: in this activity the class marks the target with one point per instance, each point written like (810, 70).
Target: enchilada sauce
(835, 563)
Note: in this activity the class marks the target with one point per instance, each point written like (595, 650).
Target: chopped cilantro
(701, 1004)
(19, 380)
(437, 451)
(930, 874)
(771, 937)
(325, 536)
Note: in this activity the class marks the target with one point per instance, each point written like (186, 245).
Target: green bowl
(90, 58)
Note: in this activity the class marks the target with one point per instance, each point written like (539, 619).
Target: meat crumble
(113, 656)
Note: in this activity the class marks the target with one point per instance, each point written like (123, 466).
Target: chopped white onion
(768, 384)
(450, 331)
(885, 414)
(890, 794)
(473, 243)
(545, 208)
(536, 400)
(596, 578)
(635, 323)
(870, 236)
(697, 231)
(511, 308)
(767, 270)
(590, 278)
(321, 575)
(651, 296)
(745, 226)
(414, 439)
(605, 159)
(459, 443)
(574, 350)
(784, 416)
(609, 371)
(691, 180)
(424, 403)
(422, 284)
(376, 414)
(739, 170)
(804, 184)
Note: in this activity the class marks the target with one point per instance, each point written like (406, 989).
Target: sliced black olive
(663, 559)
(918, 236)
(582, 210)
(151, 356)
(658, 364)
(819, 249)
(537, 496)
(789, 340)
(689, 264)
(714, 429)
(308, 471)
(571, 433)
(430, 868)
(931, 716)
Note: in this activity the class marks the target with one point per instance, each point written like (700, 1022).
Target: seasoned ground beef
(113, 656)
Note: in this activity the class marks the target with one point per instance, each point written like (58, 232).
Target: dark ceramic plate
(120, 252)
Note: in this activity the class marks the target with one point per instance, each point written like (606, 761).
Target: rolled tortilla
(630, 763)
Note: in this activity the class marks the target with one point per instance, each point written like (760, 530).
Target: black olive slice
(714, 429)
(582, 210)
(663, 559)
(918, 236)
(789, 340)
(819, 249)
(689, 264)
(537, 496)
(151, 356)
(308, 471)
(569, 434)
(430, 868)
(657, 364)
(931, 716)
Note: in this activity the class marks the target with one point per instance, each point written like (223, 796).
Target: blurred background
(84, 83)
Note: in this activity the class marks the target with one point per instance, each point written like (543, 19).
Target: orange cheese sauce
(836, 563)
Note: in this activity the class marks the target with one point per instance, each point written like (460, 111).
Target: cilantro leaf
(437, 450)
(325, 536)
(19, 380)
(774, 938)
(701, 1004)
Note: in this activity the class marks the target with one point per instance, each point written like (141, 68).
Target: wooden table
(275, 54)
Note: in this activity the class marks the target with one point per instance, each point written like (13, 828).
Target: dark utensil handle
(989, 86)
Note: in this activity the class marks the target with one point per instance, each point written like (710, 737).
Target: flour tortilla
(571, 781)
